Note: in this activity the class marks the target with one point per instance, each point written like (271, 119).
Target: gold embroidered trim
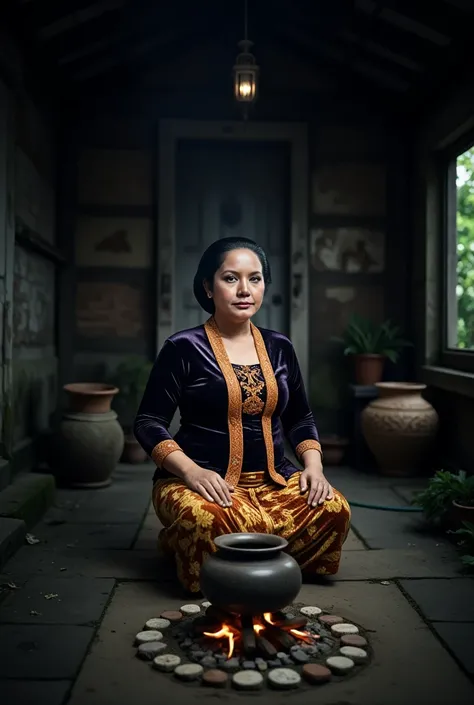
(236, 432)
(271, 403)
(253, 384)
(234, 412)
(252, 479)
(162, 450)
(307, 445)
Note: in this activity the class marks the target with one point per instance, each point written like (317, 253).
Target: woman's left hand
(320, 490)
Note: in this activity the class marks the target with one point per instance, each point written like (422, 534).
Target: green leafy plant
(466, 544)
(364, 337)
(131, 377)
(444, 487)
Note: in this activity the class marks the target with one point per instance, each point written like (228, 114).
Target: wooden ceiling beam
(416, 49)
(78, 19)
(444, 73)
(44, 12)
(332, 60)
(436, 14)
(375, 50)
(354, 57)
(105, 29)
(146, 42)
(136, 23)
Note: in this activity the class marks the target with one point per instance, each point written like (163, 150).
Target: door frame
(7, 250)
(296, 135)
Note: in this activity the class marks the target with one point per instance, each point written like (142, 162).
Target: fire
(305, 636)
(224, 632)
(236, 634)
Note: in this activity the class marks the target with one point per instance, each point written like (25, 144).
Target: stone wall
(114, 253)
(358, 243)
(34, 286)
(29, 358)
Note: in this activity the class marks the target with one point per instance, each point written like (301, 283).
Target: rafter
(437, 15)
(417, 49)
(146, 40)
(78, 18)
(333, 60)
(405, 24)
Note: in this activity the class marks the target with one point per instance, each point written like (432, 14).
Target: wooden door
(228, 189)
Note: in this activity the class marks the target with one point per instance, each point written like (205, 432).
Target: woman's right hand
(209, 485)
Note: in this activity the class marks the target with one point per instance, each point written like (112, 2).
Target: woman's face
(239, 286)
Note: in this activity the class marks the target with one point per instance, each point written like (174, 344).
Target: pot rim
(401, 386)
(462, 506)
(230, 543)
(336, 441)
(372, 356)
(91, 389)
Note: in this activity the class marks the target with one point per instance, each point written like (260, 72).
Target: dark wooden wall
(358, 235)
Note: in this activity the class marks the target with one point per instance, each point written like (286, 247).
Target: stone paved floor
(71, 604)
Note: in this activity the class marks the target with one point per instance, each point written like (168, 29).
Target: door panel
(226, 189)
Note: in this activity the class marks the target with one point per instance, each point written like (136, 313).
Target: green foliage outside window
(465, 249)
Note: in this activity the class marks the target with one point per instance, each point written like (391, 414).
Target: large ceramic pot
(250, 574)
(90, 397)
(400, 427)
(86, 449)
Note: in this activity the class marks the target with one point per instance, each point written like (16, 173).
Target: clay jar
(90, 397)
(250, 574)
(400, 427)
(89, 439)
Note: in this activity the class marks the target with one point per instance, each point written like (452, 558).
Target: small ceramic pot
(334, 448)
(133, 453)
(250, 574)
(368, 369)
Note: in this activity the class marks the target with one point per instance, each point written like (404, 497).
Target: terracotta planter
(460, 513)
(90, 397)
(368, 369)
(334, 448)
(400, 427)
(250, 574)
(133, 453)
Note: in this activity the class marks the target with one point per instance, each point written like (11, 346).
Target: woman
(239, 390)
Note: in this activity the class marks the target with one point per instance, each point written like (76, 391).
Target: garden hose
(384, 507)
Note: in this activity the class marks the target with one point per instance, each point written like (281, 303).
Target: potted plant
(131, 376)
(371, 344)
(466, 543)
(463, 503)
(448, 500)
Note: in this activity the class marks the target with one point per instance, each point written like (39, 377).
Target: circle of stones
(340, 649)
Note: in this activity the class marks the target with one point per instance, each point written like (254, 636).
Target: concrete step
(22, 504)
(12, 538)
